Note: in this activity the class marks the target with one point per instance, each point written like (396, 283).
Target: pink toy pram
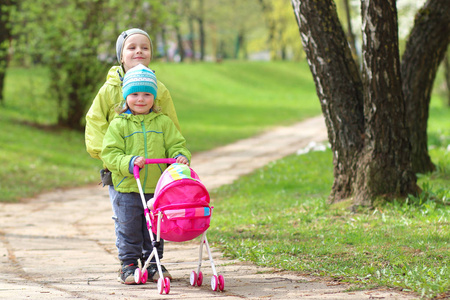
(178, 212)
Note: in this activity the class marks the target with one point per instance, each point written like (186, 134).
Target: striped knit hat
(139, 79)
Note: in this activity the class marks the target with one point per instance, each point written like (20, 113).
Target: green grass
(220, 103)
(216, 104)
(34, 160)
(278, 217)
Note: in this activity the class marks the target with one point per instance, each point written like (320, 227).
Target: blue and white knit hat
(139, 79)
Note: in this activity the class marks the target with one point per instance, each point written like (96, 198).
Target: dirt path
(60, 245)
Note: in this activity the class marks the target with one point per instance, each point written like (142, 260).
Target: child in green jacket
(133, 47)
(138, 133)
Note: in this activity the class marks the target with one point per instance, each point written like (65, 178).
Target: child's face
(140, 103)
(136, 50)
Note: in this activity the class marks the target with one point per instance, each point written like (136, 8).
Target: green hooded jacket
(151, 136)
(102, 110)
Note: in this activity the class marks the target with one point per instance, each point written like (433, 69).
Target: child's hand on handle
(139, 161)
(182, 160)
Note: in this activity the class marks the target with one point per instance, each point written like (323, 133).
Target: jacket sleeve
(97, 120)
(164, 100)
(113, 150)
(175, 142)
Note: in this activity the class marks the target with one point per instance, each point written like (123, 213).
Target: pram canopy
(183, 201)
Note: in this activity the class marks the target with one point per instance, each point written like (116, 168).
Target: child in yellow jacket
(133, 47)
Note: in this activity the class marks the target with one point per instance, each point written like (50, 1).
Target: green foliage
(66, 41)
(69, 41)
(283, 33)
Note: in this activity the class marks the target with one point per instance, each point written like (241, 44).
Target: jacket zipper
(145, 154)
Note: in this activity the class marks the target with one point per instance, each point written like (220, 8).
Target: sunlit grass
(278, 217)
(216, 104)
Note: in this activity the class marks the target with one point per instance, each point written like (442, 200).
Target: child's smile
(140, 103)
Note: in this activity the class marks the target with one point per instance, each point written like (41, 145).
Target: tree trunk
(366, 126)
(239, 43)
(201, 29)
(338, 86)
(5, 36)
(385, 166)
(191, 37)
(447, 76)
(180, 43)
(267, 8)
(164, 44)
(425, 50)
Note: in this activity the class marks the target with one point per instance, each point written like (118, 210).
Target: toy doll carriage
(178, 212)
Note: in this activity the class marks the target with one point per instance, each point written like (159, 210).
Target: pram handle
(153, 161)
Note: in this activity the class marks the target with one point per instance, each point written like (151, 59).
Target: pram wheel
(137, 275)
(214, 283)
(160, 285)
(200, 278)
(144, 277)
(167, 285)
(196, 280)
(221, 283)
(193, 278)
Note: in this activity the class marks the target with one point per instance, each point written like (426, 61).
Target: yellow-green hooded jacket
(102, 110)
(152, 135)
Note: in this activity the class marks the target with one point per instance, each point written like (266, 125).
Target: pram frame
(163, 284)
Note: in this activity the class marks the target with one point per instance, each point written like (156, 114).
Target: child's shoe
(127, 274)
(153, 274)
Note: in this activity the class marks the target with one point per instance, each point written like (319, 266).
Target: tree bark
(425, 49)
(338, 86)
(385, 166)
(365, 119)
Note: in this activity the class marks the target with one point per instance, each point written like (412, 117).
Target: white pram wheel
(193, 278)
(160, 285)
(137, 275)
(214, 283)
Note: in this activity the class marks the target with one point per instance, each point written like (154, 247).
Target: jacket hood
(137, 118)
(115, 76)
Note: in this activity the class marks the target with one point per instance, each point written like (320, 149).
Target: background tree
(6, 6)
(365, 118)
(341, 97)
(384, 166)
(447, 75)
(200, 17)
(72, 62)
(425, 50)
(70, 40)
(282, 37)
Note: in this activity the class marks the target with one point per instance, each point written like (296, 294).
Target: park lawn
(278, 217)
(216, 104)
